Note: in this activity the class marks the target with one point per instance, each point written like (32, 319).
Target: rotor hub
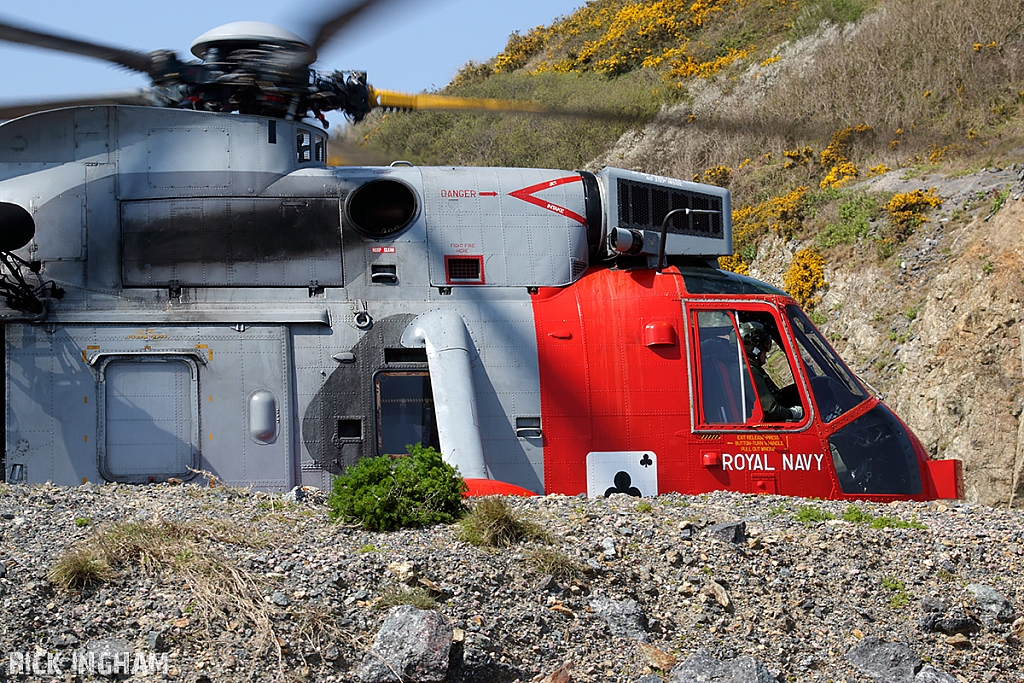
(249, 35)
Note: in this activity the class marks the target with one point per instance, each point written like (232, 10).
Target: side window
(745, 375)
(726, 393)
(303, 147)
(405, 411)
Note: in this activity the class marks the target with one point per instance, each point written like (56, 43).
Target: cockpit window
(873, 454)
(714, 281)
(835, 388)
(741, 381)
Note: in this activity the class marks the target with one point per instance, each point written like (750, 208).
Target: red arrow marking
(526, 194)
(488, 194)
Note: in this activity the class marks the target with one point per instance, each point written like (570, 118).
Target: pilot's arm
(773, 410)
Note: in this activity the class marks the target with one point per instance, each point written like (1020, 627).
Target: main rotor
(248, 67)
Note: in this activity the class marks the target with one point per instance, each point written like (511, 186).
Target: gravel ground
(303, 597)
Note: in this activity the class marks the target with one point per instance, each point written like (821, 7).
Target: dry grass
(556, 563)
(220, 591)
(927, 76)
(492, 523)
(80, 567)
(420, 598)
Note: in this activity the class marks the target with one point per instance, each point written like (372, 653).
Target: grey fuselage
(234, 306)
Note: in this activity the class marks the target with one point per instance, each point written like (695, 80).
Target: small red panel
(947, 477)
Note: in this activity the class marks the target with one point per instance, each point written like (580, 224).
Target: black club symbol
(646, 461)
(623, 484)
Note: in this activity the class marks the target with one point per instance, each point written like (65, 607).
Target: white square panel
(632, 472)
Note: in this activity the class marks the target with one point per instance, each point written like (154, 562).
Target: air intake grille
(464, 269)
(643, 206)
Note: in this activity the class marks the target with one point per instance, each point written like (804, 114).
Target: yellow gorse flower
(833, 157)
(733, 263)
(906, 209)
(805, 276)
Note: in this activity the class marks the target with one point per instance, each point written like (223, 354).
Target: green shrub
(385, 494)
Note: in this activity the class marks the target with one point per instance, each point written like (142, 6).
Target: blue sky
(409, 45)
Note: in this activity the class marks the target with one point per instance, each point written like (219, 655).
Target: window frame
(788, 346)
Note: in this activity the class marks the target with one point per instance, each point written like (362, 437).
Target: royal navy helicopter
(190, 291)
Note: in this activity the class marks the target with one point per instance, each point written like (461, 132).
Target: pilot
(757, 341)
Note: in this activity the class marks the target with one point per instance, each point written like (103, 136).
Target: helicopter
(189, 290)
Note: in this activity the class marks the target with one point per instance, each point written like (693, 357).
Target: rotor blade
(389, 99)
(137, 61)
(13, 110)
(329, 26)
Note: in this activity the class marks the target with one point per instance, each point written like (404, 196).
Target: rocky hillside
(936, 329)
(939, 329)
(216, 584)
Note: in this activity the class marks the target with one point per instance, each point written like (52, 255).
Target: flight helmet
(755, 338)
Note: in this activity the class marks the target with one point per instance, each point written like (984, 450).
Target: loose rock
(412, 645)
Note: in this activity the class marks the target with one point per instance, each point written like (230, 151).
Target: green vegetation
(887, 522)
(492, 523)
(832, 11)
(852, 513)
(809, 514)
(900, 598)
(857, 515)
(384, 494)
(644, 507)
(464, 138)
(854, 215)
(83, 521)
(999, 200)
